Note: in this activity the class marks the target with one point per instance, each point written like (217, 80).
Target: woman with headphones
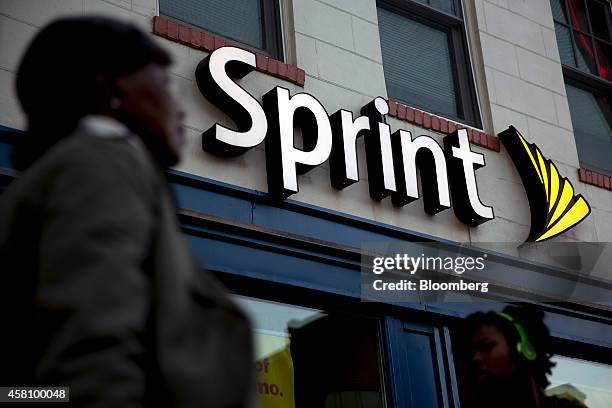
(503, 359)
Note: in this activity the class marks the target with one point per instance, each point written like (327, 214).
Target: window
(583, 29)
(254, 23)
(584, 382)
(306, 358)
(425, 57)
(592, 122)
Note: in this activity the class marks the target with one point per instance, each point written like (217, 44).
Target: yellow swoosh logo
(554, 206)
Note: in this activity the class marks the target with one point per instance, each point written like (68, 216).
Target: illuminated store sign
(392, 158)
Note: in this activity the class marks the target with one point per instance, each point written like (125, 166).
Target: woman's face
(151, 111)
(491, 354)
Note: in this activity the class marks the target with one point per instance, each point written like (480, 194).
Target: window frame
(271, 29)
(578, 78)
(592, 37)
(468, 108)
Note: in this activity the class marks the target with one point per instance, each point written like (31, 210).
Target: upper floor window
(425, 57)
(583, 29)
(254, 23)
(583, 35)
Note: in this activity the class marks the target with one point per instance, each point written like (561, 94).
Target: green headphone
(524, 347)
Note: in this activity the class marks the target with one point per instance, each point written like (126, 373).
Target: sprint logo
(554, 206)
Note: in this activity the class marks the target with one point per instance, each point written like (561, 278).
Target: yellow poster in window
(275, 380)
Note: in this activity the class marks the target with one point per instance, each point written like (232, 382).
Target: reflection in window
(584, 382)
(589, 24)
(583, 29)
(308, 359)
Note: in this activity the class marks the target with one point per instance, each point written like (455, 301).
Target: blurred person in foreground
(98, 289)
(503, 359)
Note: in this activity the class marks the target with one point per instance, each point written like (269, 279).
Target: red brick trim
(594, 178)
(201, 40)
(439, 124)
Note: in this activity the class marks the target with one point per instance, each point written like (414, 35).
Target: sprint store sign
(392, 158)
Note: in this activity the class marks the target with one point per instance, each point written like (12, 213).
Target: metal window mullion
(466, 108)
(452, 376)
(459, 9)
(601, 40)
(382, 365)
(474, 99)
(271, 28)
(609, 20)
(464, 75)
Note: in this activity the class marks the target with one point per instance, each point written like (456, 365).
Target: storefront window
(309, 359)
(584, 382)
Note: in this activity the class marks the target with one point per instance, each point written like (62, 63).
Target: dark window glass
(592, 121)
(235, 19)
(239, 20)
(587, 46)
(585, 55)
(577, 13)
(558, 11)
(254, 23)
(417, 63)
(583, 39)
(599, 23)
(444, 5)
(564, 42)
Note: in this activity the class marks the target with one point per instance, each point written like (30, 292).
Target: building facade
(293, 253)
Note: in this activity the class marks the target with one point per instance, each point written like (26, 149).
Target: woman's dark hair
(57, 78)
(532, 320)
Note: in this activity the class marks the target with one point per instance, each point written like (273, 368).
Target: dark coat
(100, 293)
